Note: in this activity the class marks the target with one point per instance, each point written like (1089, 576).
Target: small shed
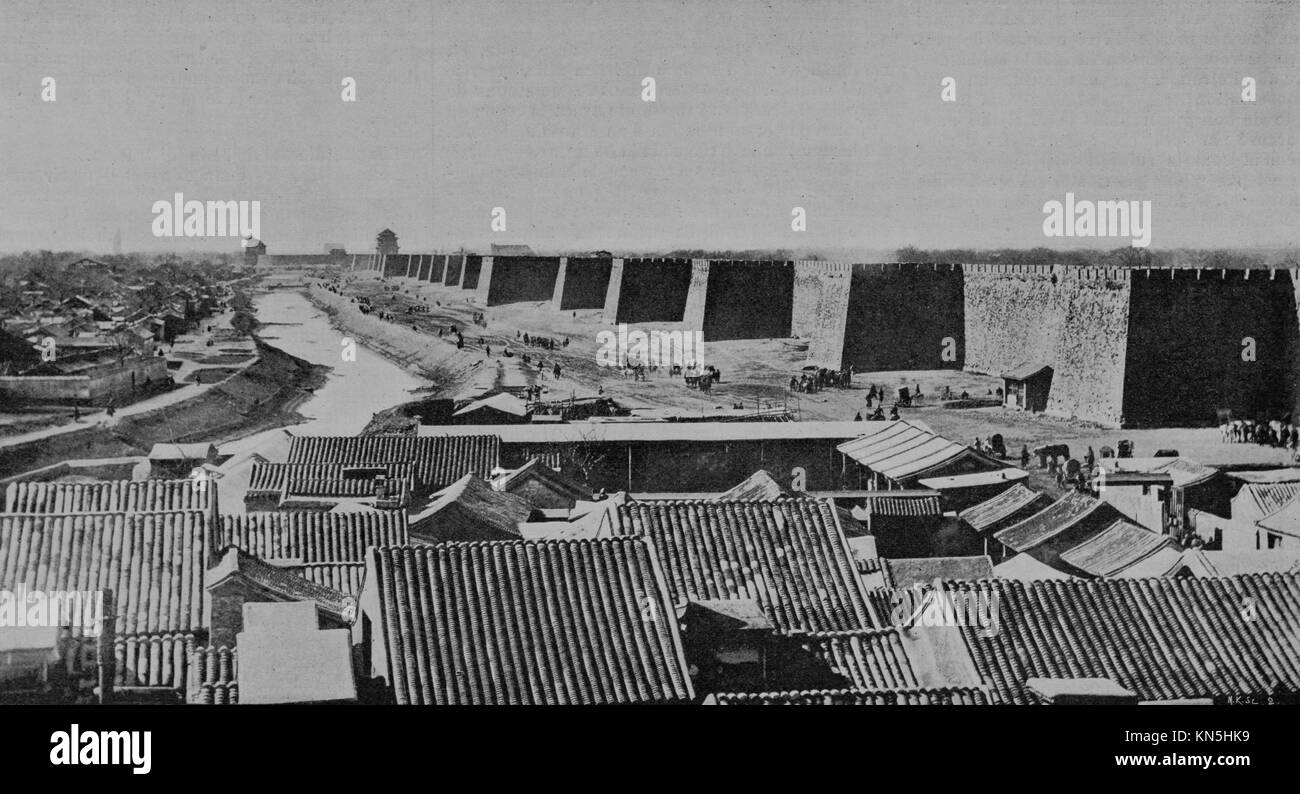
(499, 409)
(1026, 387)
(176, 461)
(1143, 496)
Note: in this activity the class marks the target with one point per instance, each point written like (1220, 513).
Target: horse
(1052, 452)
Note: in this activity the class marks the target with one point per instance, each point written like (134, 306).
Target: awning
(902, 449)
(1119, 546)
(1006, 504)
(1046, 524)
(976, 480)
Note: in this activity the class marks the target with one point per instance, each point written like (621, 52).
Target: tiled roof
(537, 470)
(1289, 474)
(284, 583)
(760, 486)
(1164, 639)
(1026, 371)
(156, 661)
(311, 536)
(470, 510)
(920, 505)
(152, 562)
(438, 460)
(1285, 521)
(882, 602)
(1119, 546)
(869, 659)
(213, 677)
(789, 556)
(864, 553)
(905, 572)
(1056, 518)
(1257, 500)
(267, 477)
(113, 496)
(952, 696)
(346, 577)
(391, 491)
(1014, 501)
(727, 615)
(319, 479)
(520, 622)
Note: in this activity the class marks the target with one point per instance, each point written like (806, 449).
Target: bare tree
(584, 457)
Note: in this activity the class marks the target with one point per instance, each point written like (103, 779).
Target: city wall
(651, 290)
(903, 317)
(455, 266)
(1145, 347)
(471, 267)
(396, 264)
(519, 279)
(820, 309)
(582, 284)
(1204, 340)
(745, 300)
(1072, 319)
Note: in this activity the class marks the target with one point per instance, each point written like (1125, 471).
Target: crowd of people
(1274, 433)
(812, 381)
(701, 378)
(544, 342)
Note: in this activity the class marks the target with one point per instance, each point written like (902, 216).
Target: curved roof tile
(524, 622)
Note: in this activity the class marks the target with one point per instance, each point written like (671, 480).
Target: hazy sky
(535, 106)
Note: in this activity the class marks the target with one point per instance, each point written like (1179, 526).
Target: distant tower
(386, 242)
(117, 241)
(252, 249)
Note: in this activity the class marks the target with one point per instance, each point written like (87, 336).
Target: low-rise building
(575, 622)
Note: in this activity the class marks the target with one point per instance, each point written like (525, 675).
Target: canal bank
(360, 382)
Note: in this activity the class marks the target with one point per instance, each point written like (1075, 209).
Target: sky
(536, 107)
